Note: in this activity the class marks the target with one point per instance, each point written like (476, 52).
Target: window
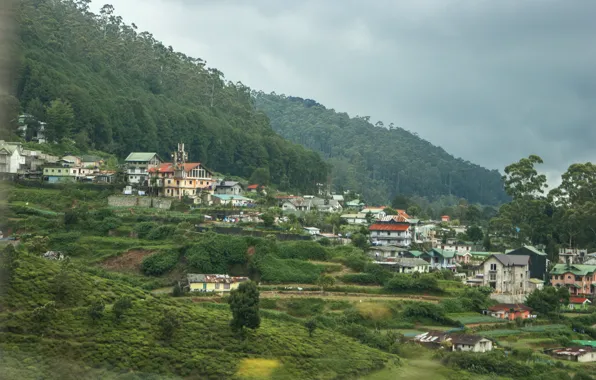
(578, 278)
(569, 277)
(226, 286)
(59, 170)
(201, 182)
(217, 285)
(521, 284)
(493, 266)
(177, 183)
(52, 170)
(521, 275)
(169, 181)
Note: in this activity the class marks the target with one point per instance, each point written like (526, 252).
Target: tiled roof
(509, 306)
(388, 227)
(416, 253)
(576, 269)
(168, 167)
(140, 157)
(578, 300)
(573, 351)
(253, 187)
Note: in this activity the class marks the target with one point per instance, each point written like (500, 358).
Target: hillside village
(395, 242)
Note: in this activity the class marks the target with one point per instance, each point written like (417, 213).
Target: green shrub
(268, 303)
(143, 229)
(416, 284)
(161, 232)
(159, 263)
(303, 307)
(217, 253)
(276, 270)
(359, 278)
(303, 250)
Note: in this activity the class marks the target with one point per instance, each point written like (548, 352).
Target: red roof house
(510, 311)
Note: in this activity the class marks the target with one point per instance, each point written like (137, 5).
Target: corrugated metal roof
(512, 260)
(576, 269)
(214, 278)
(140, 156)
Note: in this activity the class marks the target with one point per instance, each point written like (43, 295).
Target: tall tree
(60, 119)
(244, 304)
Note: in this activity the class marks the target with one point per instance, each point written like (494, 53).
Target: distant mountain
(110, 87)
(376, 160)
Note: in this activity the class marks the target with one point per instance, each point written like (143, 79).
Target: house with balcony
(440, 259)
(138, 165)
(391, 230)
(179, 180)
(507, 274)
(580, 279)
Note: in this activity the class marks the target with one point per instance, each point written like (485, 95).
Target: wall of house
(587, 357)
(508, 280)
(484, 345)
(213, 287)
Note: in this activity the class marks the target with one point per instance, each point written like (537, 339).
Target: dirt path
(128, 261)
(347, 297)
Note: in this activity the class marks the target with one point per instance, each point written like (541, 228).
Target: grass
(474, 318)
(257, 368)
(203, 346)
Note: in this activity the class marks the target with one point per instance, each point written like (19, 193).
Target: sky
(489, 81)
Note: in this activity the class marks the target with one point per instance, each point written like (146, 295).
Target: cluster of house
(16, 160)
(333, 203)
(179, 179)
(454, 341)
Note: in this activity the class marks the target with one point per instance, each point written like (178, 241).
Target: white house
(405, 265)
(11, 157)
(312, 230)
(228, 188)
(472, 343)
(138, 165)
(355, 218)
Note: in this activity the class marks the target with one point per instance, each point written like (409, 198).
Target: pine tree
(244, 304)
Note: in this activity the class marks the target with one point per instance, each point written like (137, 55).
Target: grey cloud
(489, 81)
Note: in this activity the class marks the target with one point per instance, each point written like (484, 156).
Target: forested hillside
(377, 161)
(110, 87)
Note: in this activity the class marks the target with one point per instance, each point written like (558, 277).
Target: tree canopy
(376, 161)
(102, 83)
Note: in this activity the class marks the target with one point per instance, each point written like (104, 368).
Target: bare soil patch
(128, 261)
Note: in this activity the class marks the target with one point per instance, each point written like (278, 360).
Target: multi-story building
(138, 165)
(180, 178)
(507, 274)
(391, 230)
(188, 179)
(580, 279)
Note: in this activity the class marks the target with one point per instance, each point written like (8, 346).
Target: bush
(143, 229)
(161, 232)
(217, 253)
(488, 363)
(159, 263)
(276, 270)
(303, 250)
(359, 278)
(416, 284)
(417, 310)
(304, 307)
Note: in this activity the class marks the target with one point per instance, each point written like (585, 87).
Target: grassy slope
(203, 346)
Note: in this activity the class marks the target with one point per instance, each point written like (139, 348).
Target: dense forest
(110, 87)
(376, 160)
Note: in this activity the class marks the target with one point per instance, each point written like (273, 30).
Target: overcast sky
(490, 81)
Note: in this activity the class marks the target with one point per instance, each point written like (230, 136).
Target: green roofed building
(138, 165)
(579, 279)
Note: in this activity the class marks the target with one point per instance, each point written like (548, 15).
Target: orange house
(177, 181)
(510, 311)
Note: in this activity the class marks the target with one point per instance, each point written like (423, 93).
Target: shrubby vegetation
(160, 262)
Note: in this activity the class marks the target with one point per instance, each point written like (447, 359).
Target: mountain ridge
(394, 160)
